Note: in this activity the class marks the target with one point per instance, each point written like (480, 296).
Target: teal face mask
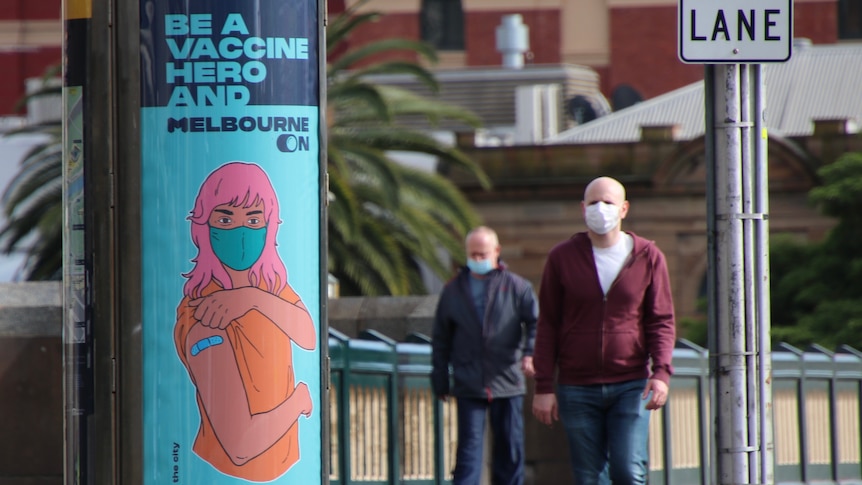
(480, 267)
(238, 248)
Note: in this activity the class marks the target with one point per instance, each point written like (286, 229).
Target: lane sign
(735, 31)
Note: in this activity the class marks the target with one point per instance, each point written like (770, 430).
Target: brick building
(30, 41)
(631, 44)
(620, 39)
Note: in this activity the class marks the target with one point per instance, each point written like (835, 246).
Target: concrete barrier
(31, 384)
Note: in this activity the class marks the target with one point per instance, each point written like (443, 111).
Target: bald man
(606, 326)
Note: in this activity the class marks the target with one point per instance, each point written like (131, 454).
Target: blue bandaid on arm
(205, 343)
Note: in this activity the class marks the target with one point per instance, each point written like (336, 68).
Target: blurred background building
(631, 44)
(564, 66)
(30, 42)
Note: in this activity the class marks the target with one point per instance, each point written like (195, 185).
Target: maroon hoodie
(592, 338)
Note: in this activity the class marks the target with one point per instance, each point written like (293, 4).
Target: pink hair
(243, 185)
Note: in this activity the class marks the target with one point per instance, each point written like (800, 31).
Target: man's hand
(545, 408)
(659, 394)
(527, 366)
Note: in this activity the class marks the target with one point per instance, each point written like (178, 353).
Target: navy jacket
(485, 356)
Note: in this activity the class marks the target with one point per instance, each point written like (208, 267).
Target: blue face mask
(238, 248)
(480, 267)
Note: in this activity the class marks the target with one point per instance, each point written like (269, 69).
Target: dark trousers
(507, 430)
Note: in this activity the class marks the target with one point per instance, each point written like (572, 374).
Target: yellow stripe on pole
(79, 9)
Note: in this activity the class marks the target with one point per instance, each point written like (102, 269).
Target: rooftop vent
(513, 40)
(801, 43)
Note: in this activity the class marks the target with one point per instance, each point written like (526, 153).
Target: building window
(850, 19)
(442, 24)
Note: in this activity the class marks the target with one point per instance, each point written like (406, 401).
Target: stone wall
(31, 384)
(394, 317)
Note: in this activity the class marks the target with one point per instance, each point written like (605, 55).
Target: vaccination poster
(230, 211)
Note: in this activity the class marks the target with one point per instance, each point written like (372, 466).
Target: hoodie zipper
(602, 333)
(629, 262)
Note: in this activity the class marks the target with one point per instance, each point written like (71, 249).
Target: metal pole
(732, 439)
(89, 331)
(101, 197)
(741, 353)
(77, 315)
(127, 152)
(710, 456)
(748, 270)
(761, 273)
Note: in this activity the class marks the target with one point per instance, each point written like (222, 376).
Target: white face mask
(602, 217)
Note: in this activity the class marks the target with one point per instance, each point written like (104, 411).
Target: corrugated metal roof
(818, 82)
(490, 92)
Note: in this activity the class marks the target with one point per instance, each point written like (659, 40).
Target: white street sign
(735, 31)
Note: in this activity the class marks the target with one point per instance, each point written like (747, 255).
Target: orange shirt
(263, 356)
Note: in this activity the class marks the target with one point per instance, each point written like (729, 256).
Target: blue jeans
(507, 429)
(607, 427)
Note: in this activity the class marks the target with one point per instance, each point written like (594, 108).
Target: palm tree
(33, 201)
(386, 220)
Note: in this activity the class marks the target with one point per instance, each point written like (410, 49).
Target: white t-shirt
(610, 260)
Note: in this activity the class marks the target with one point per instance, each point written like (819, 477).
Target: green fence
(387, 427)
(816, 396)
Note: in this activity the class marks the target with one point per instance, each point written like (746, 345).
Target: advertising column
(231, 242)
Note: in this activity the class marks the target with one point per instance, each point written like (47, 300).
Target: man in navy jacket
(485, 327)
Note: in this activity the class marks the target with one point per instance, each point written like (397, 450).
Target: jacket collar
(582, 240)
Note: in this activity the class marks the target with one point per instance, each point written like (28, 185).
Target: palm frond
(348, 96)
(406, 103)
(39, 172)
(398, 67)
(367, 51)
(341, 26)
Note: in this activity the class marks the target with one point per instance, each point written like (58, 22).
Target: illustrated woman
(235, 325)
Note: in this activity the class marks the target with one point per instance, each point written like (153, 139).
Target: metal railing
(387, 427)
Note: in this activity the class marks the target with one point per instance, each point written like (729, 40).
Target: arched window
(442, 24)
(850, 19)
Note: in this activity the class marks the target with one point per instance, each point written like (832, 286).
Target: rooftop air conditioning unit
(537, 112)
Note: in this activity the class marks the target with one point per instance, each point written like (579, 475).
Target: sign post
(732, 38)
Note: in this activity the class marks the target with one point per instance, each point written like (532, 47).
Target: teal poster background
(223, 84)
